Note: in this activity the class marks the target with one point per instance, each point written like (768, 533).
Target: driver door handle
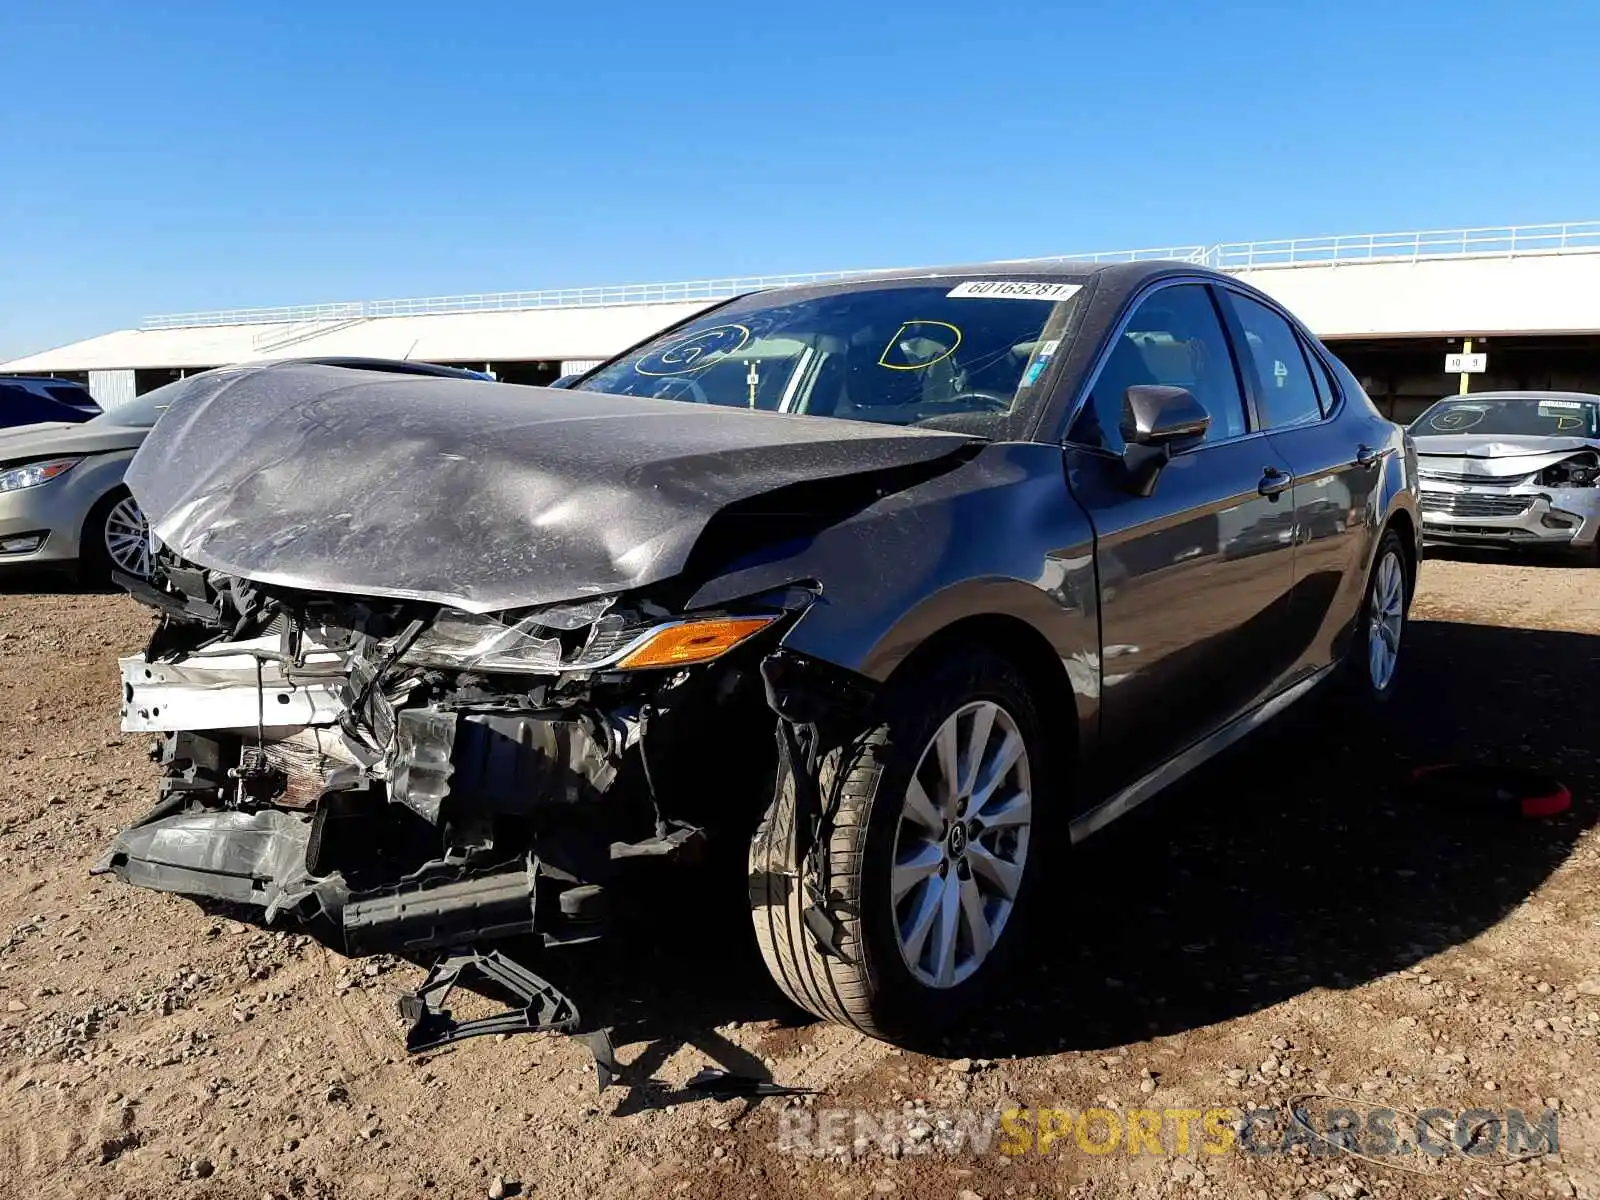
(1273, 482)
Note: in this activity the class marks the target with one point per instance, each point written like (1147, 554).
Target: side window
(1284, 389)
(1327, 389)
(1174, 337)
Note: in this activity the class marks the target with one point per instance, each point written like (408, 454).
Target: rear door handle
(1367, 456)
(1274, 481)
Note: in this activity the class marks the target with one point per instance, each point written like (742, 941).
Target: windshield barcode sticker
(1569, 405)
(1012, 289)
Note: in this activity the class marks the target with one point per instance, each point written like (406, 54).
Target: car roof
(49, 379)
(1127, 274)
(392, 366)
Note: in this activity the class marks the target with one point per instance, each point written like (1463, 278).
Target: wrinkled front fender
(1000, 538)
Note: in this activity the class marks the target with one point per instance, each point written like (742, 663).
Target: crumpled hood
(1492, 456)
(64, 438)
(481, 496)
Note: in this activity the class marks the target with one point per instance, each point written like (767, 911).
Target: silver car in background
(1511, 469)
(63, 505)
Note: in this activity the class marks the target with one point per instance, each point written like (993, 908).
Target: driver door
(1194, 580)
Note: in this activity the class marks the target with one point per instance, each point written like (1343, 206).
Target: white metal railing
(1485, 242)
(276, 336)
(1490, 241)
(254, 316)
(1194, 254)
(587, 297)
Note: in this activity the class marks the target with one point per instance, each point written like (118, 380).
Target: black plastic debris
(606, 1069)
(725, 1085)
(544, 1009)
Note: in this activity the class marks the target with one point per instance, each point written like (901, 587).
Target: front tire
(934, 853)
(115, 536)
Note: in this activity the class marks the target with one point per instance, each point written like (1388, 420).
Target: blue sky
(172, 156)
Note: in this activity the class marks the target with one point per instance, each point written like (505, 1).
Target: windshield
(897, 354)
(1531, 417)
(141, 413)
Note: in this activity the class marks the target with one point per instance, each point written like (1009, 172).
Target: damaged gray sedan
(1512, 469)
(898, 587)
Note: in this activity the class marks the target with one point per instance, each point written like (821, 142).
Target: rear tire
(1372, 664)
(892, 983)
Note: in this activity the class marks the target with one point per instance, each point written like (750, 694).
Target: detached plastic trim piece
(1506, 790)
(431, 1024)
(1557, 801)
(544, 1008)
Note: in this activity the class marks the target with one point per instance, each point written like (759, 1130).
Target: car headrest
(1169, 363)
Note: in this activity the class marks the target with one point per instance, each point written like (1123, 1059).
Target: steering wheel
(681, 387)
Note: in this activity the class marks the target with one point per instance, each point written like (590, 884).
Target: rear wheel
(1372, 665)
(115, 537)
(934, 854)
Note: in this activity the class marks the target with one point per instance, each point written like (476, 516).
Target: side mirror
(1154, 415)
(1155, 419)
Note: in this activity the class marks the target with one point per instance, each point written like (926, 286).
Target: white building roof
(534, 334)
(1507, 279)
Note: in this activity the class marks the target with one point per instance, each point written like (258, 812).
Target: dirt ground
(1295, 919)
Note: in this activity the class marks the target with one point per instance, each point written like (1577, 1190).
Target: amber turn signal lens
(695, 641)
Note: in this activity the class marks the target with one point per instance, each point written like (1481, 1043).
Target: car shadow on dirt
(1306, 857)
(19, 582)
(1509, 556)
(1302, 858)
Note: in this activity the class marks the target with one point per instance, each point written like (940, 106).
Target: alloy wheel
(961, 843)
(127, 538)
(1385, 620)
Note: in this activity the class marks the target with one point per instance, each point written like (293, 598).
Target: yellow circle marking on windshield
(1457, 419)
(909, 327)
(696, 351)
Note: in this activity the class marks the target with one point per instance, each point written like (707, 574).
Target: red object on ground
(1508, 789)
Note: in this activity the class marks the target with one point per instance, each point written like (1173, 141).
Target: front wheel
(116, 536)
(934, 854)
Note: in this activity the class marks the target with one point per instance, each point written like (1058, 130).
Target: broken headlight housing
(580, 636)
(1581, 470)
